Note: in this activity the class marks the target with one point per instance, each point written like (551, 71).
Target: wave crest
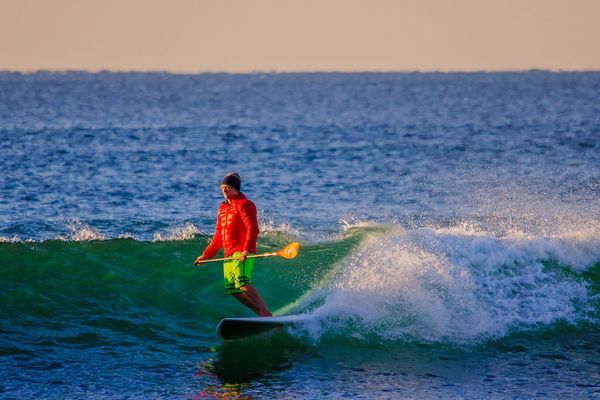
(81, 232)
(181, 232)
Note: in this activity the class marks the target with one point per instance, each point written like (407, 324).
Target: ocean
(449, 230)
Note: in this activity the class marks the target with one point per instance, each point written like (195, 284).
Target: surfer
(236, 232)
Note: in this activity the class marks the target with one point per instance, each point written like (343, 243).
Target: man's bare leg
(261, 309)
(247, 301)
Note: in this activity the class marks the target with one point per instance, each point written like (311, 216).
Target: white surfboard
(235, 328)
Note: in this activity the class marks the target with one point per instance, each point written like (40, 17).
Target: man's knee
(244, 288)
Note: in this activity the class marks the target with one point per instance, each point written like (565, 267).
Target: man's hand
(243, 256)
(200, 258)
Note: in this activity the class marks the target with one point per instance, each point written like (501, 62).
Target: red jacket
(237, 228)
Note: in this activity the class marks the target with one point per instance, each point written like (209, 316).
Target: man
(236, 232)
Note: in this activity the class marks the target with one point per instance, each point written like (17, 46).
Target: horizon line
(291, 72)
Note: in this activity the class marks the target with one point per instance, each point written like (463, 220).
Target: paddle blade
(289, 251)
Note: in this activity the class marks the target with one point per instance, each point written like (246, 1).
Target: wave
(374, 283)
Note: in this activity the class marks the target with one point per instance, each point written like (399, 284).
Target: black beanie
(232, 179)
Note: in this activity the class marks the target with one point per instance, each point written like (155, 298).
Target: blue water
(449, 228)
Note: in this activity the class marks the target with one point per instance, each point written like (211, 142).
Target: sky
(187, 36)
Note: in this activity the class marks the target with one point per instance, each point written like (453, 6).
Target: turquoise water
(449, 228)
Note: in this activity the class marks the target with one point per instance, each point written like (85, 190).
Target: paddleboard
(235, 328)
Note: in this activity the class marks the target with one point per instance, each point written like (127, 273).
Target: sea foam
(454, 284)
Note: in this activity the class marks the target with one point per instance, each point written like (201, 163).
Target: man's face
(228, 191)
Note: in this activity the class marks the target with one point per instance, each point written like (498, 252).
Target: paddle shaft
(235, 258)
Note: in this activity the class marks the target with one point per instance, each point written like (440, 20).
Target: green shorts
(237, 273)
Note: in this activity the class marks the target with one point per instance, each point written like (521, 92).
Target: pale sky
(303, 35)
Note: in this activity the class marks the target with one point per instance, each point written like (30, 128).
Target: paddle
(289, 251)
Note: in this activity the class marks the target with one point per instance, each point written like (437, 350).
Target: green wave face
(141, 289)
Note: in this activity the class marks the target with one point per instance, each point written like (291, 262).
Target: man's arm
(248, 213)
(215, 244)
